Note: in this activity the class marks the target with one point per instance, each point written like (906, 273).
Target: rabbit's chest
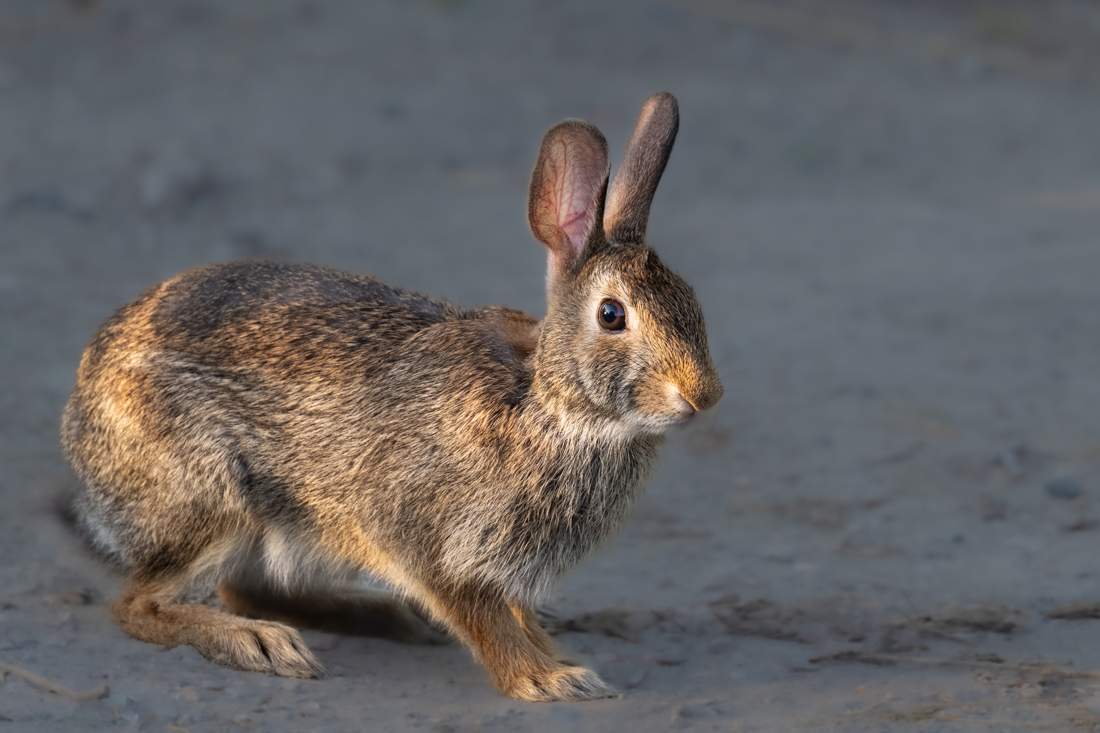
(524, 535)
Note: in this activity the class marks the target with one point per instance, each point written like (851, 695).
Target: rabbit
(278, 433)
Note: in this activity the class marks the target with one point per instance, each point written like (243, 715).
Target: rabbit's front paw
(561, 684)
(260, 646)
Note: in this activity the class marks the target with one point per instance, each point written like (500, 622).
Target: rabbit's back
(213, 309)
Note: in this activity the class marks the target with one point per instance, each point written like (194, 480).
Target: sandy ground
(890, 215)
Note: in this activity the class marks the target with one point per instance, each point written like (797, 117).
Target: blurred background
(889, 210)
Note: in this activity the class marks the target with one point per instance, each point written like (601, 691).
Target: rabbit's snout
(677, 400)
(701, 391)
(697, 396)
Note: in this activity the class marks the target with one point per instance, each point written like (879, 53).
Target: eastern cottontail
(283, 432)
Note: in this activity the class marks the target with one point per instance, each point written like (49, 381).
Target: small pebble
(120, 699)
(1063, 488)
(682, 716)
(77, 598)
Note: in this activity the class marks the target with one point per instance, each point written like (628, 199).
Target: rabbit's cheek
(607, 373)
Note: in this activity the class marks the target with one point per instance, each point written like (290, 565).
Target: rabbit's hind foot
(228, 640)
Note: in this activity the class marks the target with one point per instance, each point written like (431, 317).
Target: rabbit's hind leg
(338, 609)
(523, 662)
(149, 611)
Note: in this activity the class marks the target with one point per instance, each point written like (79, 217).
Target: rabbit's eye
(611, 315)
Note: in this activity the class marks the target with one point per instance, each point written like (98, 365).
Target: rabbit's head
(623, 341)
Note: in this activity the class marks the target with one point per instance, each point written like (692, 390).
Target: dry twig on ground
(30, 677)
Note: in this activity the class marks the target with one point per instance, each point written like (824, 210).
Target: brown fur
(287, 432)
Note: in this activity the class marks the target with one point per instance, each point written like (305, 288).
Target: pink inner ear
(576, 228)
(575, 194)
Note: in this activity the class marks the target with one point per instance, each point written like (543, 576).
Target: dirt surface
(890, 212)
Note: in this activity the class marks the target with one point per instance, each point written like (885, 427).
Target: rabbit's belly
(103, 535)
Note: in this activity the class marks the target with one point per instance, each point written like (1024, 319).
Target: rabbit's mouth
(683, 411)
(663, 404)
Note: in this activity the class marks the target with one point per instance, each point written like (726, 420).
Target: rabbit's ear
(565, 205)
(643, 163)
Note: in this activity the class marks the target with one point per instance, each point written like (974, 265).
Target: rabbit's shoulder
(482, 357)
